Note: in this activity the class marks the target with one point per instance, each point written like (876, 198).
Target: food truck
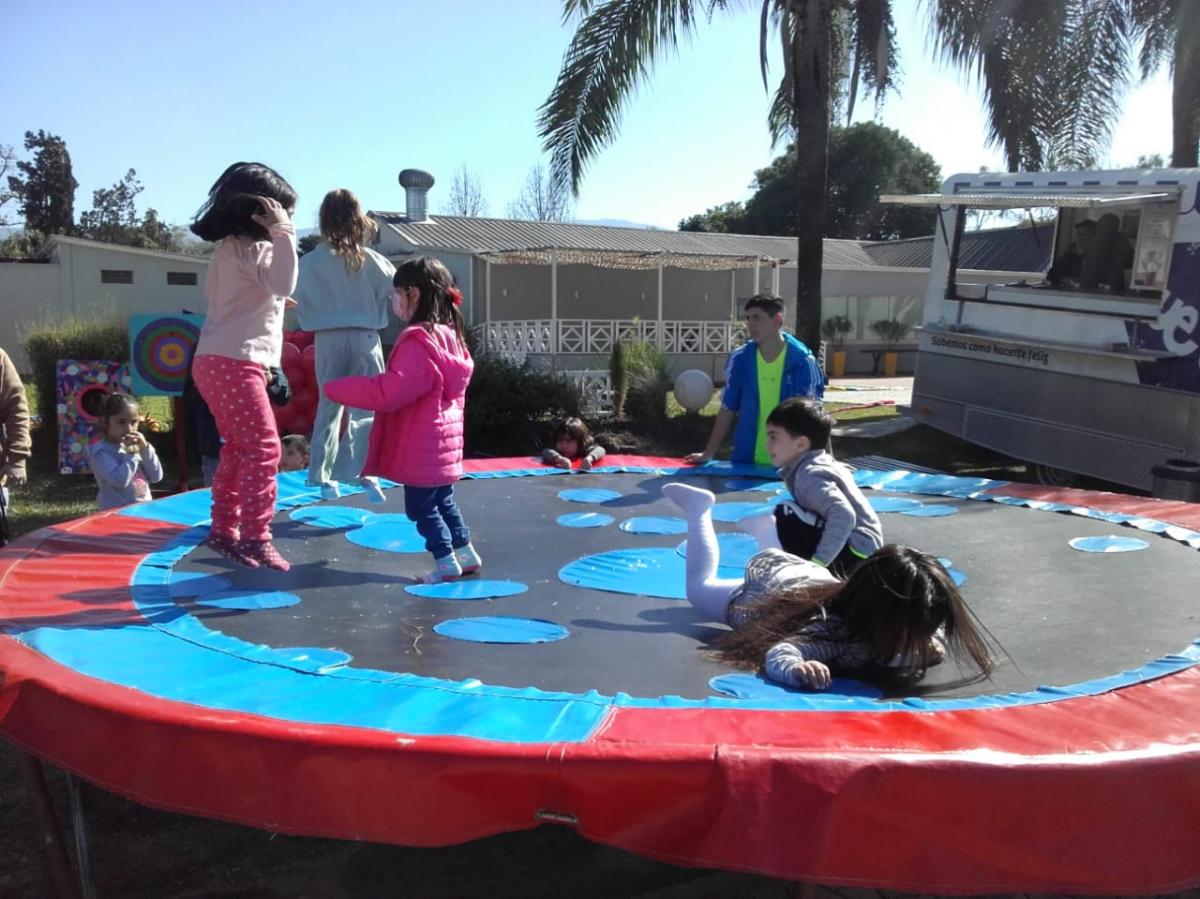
(1093, 369)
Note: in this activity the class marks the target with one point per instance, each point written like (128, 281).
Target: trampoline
(568, 682)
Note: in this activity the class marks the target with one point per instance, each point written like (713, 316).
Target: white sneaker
(374, 491)
(445, 569)
(329, 490)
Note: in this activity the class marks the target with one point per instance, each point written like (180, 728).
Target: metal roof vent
(416, 184)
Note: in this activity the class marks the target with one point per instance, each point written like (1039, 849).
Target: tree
(46, 185)
(466, 195)
(865, 160)
(617, 43)
(8, 161)
(544, 197)
(1169, 31)
(727, 218)
(114, 218)
(308, 243)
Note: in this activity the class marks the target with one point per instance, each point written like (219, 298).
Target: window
(181, 279)
(116, 276)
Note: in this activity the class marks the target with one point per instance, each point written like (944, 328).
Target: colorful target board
(80, 388)
(160, 352)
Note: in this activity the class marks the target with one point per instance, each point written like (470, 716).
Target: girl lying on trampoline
(893, 617)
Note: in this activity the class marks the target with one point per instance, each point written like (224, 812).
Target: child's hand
(289, 303)
(562, 462)
(697, 459)
(272, 213)
(812, 674)
(586, 464)
(134, 442)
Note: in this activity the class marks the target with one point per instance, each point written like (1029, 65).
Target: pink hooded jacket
(417, 438)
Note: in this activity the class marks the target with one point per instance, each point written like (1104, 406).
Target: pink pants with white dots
(243, 488)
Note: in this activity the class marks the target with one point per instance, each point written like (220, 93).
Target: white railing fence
(517, 339)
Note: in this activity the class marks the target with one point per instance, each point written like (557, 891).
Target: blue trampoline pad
(388, 533)
(467, 589)
(502, 629)
(893, 504)
(730, 512)
(584, 520)
(938, 511)
(1109, 544)
(196, 583)
(248, 600)
(588, 495)
(309, 658)
(735, 550)
(650, 524)
(742, 484)
(321, 516)
(753, 686)
(650, 571)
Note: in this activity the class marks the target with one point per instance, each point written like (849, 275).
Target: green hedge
(72, 338)
(508, 406)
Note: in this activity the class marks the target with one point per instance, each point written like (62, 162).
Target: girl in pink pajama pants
(252, 272)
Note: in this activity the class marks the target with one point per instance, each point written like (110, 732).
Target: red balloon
(291, 353)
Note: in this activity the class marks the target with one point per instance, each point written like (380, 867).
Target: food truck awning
(998, 200)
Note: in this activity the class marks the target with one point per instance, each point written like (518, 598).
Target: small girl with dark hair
(122, 460)
(252, 272)
(417, 438)
(573, 440)
(893, 617)
(343, 294)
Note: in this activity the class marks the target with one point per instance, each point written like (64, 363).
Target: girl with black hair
(573, 442)
(894, 617)
(252, 273)
(417, 438)
(122, 460)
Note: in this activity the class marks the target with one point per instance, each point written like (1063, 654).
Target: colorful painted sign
(160, 352)
(80, 387)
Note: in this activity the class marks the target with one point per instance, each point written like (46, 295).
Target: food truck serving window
(1116, 240)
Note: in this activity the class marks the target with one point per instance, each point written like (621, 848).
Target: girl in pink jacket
(418, 402)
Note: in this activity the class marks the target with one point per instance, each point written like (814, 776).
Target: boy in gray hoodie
(830, 521)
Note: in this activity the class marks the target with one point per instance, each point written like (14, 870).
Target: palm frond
(1153, 23)
(874, 49)
(614, 49)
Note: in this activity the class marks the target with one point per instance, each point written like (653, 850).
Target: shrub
(618, 370)
(72, 338)
(507, 404)
(890, 330)
(834, 329)
(649, 382)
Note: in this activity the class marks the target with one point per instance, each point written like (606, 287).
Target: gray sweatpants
(332, 455)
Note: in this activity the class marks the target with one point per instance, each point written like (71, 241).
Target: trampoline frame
(971, 800)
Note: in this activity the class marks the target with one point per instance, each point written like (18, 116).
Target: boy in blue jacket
(771, 367)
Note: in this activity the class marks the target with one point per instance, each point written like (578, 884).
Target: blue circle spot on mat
(735, 550)
(650, 524)
(730, 512)
(330, 516)
(740, 484)
(310, 658)
(648, 571)
(469, 589)
(588, 495)
(502, 629)
(196, 583)
(938, 511)
(1109, 544)
(249, 600)
(752, 686)
(584, 520)
(771, 487)
(388, 534)
(893, 504)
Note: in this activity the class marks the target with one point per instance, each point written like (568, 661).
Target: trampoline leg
(43, 808)
(82, 856)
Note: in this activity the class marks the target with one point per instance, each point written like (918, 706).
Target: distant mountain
(617, 223)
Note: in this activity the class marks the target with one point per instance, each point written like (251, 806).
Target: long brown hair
(439, 297)
(345, 228)
(894, 601)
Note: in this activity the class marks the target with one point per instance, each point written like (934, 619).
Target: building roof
(511, 240)
(121, 248)
(1023, 248)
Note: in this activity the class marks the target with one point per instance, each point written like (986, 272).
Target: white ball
(693, 389)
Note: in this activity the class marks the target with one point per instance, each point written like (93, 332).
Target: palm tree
(1170, 34)
(618, 41)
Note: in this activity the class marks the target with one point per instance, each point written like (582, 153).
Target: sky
(348, 98)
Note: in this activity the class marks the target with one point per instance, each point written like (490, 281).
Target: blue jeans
(438, 520)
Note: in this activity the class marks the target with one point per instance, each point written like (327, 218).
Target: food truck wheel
(1055, 477)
